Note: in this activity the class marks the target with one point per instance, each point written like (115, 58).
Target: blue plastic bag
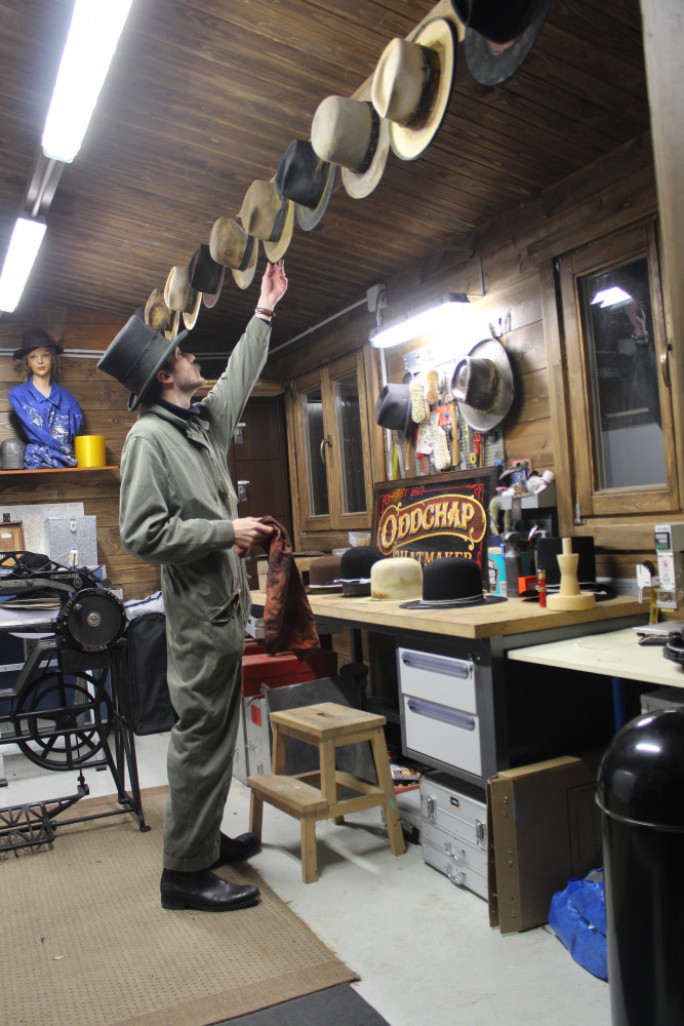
(578, 918)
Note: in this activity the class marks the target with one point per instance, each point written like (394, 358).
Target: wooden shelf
(5, 475)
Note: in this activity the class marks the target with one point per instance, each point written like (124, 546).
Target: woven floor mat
(86, 942)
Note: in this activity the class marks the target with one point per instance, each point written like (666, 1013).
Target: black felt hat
(35, 338)
(393, 409)
(454, 581)
(306, 180)
(499, 35)
(355, 569)
(206, 275)
(135, 356)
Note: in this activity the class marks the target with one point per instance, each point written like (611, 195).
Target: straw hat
(268, 216)
(231, 246)
(352, 134)
(307, 180)
(179, 295)
(412, 85)
(158, 316)
(482, 385)
(206, 275)
(499, 35)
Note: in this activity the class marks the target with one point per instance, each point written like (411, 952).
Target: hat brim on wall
(309, 218)
(486, 420)
(408, 142)
(358, 186)
(491, 63)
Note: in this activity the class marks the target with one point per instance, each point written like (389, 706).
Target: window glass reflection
(312, 403)
(350, 440)
(623, 372)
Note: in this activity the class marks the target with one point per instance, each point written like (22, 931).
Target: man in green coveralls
(178, 508)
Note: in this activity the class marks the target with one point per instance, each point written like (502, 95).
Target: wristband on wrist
(262, 311)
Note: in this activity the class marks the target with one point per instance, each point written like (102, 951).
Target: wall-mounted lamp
(93, 36)
(445, 314)
(21, 254)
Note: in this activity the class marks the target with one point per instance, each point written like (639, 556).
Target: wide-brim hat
(499, 35)
(179, 295)
(268, 216)
(135, 356)
(355, 569)
(393, 409)
(306, 180)
(206, 275)
(352, 134)
(452, 582)
(412, 85)
(482, 385)
(36, 338)
(158, 316)
(395, 578)
(231, 246)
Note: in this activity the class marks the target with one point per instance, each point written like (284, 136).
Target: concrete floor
(423, 948)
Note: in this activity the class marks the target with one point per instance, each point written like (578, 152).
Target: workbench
(523, 714)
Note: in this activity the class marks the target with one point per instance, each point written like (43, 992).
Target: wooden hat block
(570, 597)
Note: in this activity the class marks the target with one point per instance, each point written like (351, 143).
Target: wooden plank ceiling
(204, 96)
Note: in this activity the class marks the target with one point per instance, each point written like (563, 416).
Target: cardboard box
(544, 828)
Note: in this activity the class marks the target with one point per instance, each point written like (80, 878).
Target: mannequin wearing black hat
(50, 415)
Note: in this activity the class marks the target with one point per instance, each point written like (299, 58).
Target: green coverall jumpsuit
(176, 509)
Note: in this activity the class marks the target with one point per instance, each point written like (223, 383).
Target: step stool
(310, 797)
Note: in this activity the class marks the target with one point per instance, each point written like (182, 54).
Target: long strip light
(93, 36)
(446, 314)
(27, 237)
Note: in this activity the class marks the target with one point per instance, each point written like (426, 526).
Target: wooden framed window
(618, 411)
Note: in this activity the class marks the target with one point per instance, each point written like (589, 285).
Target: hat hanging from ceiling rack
(352, 134)
(179, 295)
(231, 246)
(158, 316)
(306, 180)
(268, 216)
(412, 85)
(206, 275)
(499, 35)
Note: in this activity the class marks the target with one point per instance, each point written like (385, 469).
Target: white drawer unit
(440, 720)
(453, 834)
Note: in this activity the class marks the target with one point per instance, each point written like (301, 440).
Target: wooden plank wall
(104, 405)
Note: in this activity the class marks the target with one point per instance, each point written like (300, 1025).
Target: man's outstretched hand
(273, 285)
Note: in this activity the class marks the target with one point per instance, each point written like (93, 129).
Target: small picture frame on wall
(435, 516)
(11, 538)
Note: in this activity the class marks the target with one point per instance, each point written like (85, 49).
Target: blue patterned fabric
(49, 424)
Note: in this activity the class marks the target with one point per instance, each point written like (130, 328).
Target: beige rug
(85, 941)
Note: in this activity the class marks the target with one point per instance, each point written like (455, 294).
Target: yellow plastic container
(90, 450)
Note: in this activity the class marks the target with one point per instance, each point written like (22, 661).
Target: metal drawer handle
(449, 667)
(442, 713)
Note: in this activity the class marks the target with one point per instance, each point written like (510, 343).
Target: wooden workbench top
(514, 616)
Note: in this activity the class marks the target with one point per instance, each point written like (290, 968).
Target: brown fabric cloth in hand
(288, 621)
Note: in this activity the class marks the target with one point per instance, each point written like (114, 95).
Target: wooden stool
(314, 796)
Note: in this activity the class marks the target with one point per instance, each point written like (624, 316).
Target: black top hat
(206, 275)
(393, 409)
(307, 180)
(450, 582)
(499, 35)
(135, 356)
(35, 338)
(355, 568)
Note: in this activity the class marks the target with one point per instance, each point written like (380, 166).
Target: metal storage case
(453, 833)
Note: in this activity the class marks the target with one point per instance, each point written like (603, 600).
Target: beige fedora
(231, 246)
(412, 85)
(158, 316)
(179, 295)
(268, 216)
(352, 134)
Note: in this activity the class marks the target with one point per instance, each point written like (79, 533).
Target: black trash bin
(641, 795)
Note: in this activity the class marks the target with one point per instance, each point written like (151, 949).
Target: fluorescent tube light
(447, 314)
(93, 35)
(21, 254)
(613, 296)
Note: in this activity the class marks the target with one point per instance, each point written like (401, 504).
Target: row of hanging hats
(409, 95)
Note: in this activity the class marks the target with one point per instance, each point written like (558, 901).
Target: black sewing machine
(70, 697)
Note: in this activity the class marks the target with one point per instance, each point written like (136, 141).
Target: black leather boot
(204, 892)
